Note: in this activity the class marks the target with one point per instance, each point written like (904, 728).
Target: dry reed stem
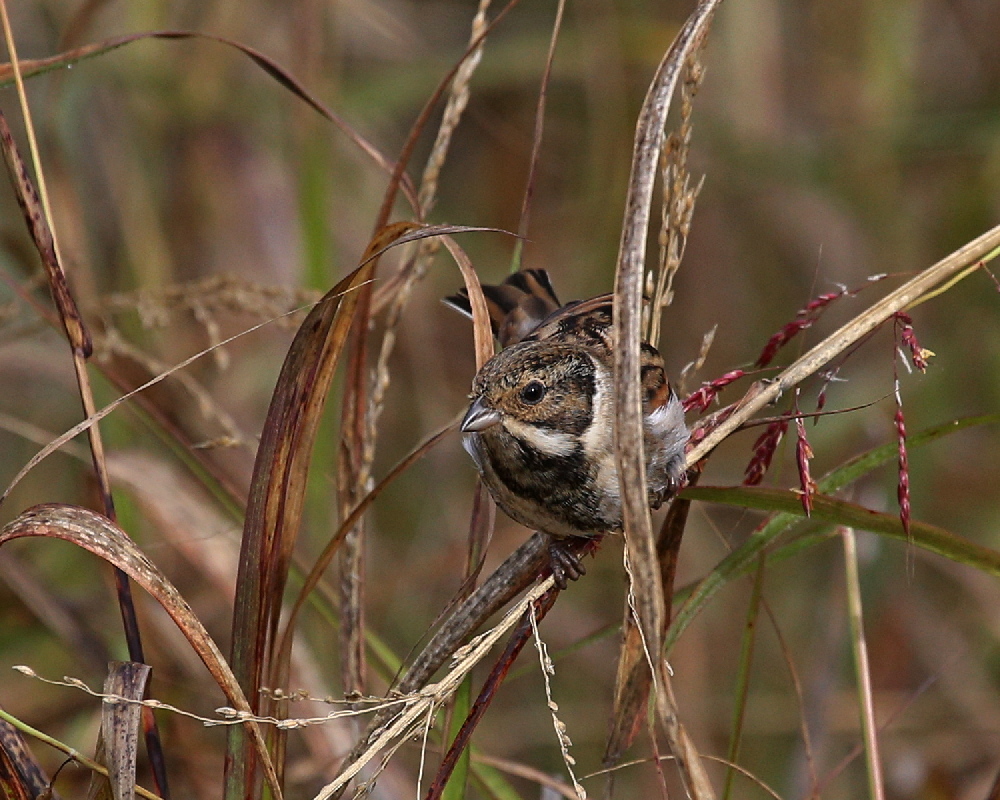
(435, 694)
(38, 214)
(118, 741)
(628, 422)
(866, 709)
(628, 320)
(688, 759)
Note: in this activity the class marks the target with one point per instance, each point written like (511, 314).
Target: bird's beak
(479, 417)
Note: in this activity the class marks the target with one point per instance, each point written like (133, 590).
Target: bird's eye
(533, 393)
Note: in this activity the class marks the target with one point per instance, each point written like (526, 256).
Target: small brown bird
(540, 424)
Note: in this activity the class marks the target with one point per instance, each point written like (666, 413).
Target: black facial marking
(558, 483)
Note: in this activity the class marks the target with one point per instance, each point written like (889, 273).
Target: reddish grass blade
(705, 396)
(518, 639)
(803, 452)
(763, 451)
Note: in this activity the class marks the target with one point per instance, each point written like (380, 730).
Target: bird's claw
(564, 562)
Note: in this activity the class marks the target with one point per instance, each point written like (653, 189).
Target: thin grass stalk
(866, 705)
(495, 787)
(536, 144)
(689, 760)
(793, 673)
(82, 348)
(132, 394)
(743, 674)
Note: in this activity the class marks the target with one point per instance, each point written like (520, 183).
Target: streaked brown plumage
(540, 423)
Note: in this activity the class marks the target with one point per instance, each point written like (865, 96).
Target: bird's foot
(564, 561)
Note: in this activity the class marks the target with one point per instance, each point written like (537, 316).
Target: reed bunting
(540, 423)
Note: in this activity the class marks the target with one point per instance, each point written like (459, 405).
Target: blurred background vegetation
(195, 197)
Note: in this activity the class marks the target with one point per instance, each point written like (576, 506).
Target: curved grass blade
(277, 493)
(278, 486)
(97, 534)
(31, 67)
(629, 279)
